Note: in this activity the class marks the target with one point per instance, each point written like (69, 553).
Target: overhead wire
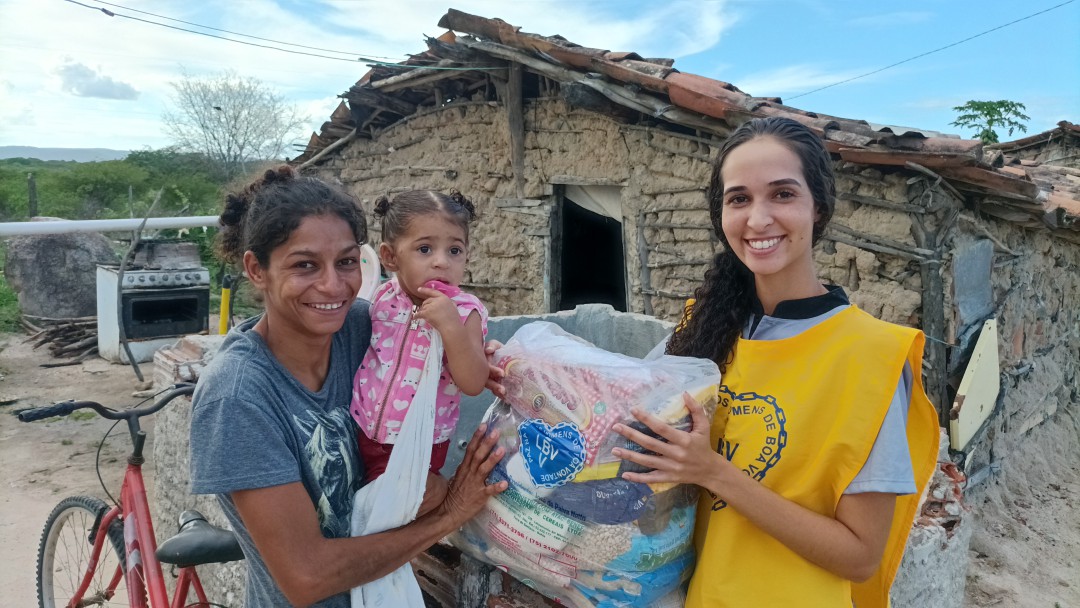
(376, 60)
(847, 80)
(361, 59)
(217, 29)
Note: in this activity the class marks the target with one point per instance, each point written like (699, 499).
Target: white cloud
(798, 78)
(83, 81)
(674, 29)
(107, 53)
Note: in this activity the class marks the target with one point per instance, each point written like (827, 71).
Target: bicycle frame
(143, 573)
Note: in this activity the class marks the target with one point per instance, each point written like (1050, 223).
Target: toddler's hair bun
(382, 206)
(458, 198)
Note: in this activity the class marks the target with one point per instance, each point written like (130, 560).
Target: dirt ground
(1025, 551)
(46, 461)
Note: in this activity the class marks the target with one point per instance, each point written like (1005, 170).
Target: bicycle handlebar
(39, 413)
(66, 407)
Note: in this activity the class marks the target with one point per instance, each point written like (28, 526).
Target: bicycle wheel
(65, 552)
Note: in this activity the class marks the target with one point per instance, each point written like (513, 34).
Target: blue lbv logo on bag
(553, 455)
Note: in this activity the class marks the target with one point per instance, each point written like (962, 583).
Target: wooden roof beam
(376, 99)
(646, 104)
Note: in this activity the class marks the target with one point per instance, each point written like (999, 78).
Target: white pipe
(121, 225)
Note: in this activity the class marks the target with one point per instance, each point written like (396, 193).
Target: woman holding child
(271, 433)
(823, 440)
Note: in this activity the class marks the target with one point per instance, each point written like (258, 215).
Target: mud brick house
(588, 168)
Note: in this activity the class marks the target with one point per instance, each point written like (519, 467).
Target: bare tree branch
(233, 120)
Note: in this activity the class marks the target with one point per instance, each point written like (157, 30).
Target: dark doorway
(589, 251)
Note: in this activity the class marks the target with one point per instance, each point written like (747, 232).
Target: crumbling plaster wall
(886, 285)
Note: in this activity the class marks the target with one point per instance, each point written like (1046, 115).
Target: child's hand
(495, 373)
(437, 309)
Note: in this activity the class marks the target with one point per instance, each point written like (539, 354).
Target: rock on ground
(55, 275)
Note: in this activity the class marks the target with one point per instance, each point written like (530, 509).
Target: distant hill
(82, 155)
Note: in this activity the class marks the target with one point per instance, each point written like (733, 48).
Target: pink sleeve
(466, 304)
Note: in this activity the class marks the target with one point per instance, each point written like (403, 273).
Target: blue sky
(73, 77)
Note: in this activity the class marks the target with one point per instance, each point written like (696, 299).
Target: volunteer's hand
(469, 490)
(437, 309)
(686, 457)
(495, 373)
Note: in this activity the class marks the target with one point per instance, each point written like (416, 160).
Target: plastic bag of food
(569, 525)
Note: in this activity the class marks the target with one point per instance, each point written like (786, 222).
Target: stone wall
(171, 491)
(1035, 287)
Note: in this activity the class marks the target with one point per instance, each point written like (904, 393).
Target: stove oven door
(159, 313)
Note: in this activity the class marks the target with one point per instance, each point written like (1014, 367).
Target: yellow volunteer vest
(800, 415)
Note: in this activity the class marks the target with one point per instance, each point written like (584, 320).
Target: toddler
(425, 240)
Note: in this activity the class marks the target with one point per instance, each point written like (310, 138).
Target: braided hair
(398, 213)
(710, 328)
(264, 214)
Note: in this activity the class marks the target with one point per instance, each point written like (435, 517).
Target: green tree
(14, 191)
(192, 185)
(101, 187)
(988, 116)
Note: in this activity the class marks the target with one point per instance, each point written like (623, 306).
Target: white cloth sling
(393, 499)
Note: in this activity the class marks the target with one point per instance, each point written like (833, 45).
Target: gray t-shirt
(254, 425)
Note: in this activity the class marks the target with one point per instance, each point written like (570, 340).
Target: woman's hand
(495, 373)
(434, 493)
(686, 457)
(469, 490)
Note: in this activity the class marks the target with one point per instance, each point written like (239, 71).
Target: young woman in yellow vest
(824, 440)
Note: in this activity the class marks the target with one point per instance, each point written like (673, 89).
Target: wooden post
(931, 236)
(555, 247)
(31, 187)
(516, 114)
(643, 259)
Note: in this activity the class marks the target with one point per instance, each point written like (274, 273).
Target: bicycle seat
(199, 542)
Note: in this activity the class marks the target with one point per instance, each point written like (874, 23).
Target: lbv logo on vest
(759, 423)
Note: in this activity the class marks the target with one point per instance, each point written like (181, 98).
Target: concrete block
(933, 571)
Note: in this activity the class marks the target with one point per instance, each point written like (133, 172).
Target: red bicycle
(92, 554)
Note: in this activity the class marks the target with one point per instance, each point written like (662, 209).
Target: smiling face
(768, 217)
(311, 279)
(432, 247)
